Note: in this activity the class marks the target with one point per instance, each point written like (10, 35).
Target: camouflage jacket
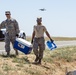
(11, 26)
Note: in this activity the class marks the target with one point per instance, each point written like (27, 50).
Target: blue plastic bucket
(51, 45)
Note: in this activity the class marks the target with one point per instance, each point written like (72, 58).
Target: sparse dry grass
(53, 63)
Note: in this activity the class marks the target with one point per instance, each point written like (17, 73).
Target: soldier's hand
(17, 35)
(31, 41)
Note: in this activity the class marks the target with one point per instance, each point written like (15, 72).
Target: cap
(39, 18)
(7, 12)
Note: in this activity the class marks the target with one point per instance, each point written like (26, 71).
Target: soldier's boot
(39, 62)
(37, 58)
(8, 53)
(16, 52)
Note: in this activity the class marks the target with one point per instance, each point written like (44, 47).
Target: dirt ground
(54, 62)
(22, 65)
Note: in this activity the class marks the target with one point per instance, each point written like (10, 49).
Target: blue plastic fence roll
(51, 45)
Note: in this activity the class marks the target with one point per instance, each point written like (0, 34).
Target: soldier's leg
(12, 41)
(7, 44)
(35, 50)
(41, 49)
(40, 55)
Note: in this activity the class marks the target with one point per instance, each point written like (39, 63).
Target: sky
(59, 17)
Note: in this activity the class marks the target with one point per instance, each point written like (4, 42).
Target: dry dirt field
(53, 63)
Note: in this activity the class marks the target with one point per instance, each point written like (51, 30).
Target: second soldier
(12, 30)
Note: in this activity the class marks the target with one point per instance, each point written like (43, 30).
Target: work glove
(52, 40)
(17, 35)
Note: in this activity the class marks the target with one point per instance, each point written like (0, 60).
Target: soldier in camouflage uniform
(38, 40)
(12, 30)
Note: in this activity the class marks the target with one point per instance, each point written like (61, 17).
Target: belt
(39, 37)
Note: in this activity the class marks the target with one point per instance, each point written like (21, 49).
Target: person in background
(12, 31)
(38, 40)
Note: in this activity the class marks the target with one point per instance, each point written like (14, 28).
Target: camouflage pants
(9, 38)
(39, 46)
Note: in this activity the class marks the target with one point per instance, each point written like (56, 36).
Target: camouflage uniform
(12, 29)
(39, 41)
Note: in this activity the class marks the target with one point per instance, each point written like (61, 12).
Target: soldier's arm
(33, 35)
(2, 25)
(47, 33)
(16, 27)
